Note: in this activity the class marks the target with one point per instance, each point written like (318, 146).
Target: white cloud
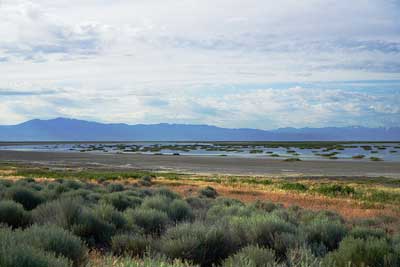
(261, 108)
(107, 60)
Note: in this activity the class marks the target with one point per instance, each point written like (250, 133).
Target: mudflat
(206, 164)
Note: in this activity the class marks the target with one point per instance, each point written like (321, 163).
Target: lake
(279, 150)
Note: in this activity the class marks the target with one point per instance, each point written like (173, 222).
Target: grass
(293, 186)
(375, 159)
(292, 159)
(36, 172)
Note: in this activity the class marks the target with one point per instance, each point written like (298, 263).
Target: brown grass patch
(348, 208)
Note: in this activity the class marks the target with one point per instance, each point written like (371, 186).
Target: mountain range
(63, 129)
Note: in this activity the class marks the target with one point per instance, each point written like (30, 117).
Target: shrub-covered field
(68, 222)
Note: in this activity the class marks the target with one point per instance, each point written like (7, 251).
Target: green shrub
(93, 229)
(145, 262)
(198, 203)
(323, 235)
(83, 194)
(14, 252)
(121, 200)
(199, 206)
(167, 193)
(303, 257)
(294, 187)
(115, 187)
(227, 201)
(309, 216)
(366, 232)
(130, 245)
(180, 210)
(198, 243)
(208, 192)
(72, 184)
(150, 220)
(53, 239)
(271, 232)
(251, 256)
(63, 212)
(13, 214)
(27, 197)
(68, 214)
(60, 189)
(218, 212)
(145, 181)
(157, 202)
(267, 206)
(335, 190)
(372, 252)
(6, 183)
(110, 215)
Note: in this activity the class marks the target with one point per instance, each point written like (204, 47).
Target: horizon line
(194, 124)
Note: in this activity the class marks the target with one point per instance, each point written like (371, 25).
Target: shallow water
(337, 151)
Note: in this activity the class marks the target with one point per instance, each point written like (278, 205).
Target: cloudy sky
(232, 63)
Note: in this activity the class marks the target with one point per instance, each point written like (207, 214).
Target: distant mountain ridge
(63, 129)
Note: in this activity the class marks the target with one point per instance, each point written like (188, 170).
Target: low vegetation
(137, 221)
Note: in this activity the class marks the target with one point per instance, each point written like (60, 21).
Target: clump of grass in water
(375, 159)
(358, 157)
(292, 159)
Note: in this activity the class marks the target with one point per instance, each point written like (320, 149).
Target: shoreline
(206, 164)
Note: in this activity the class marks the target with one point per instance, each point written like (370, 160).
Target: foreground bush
(129, 244)
(365, 232)
(129, 262)
(64, 212)
(121, 200)
(92, 229)
(27, 197)
(303, 257)
(323, 235)
(267, 231)
(180, 210)
(13, 214)
(14, 252)
(198, 243)
(372, 252)
(252, 256)
(111, 216)
(157, 202)
(58, 241)
(221, 211)
(152, 221)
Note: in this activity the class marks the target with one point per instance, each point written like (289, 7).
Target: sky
(231, 63)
